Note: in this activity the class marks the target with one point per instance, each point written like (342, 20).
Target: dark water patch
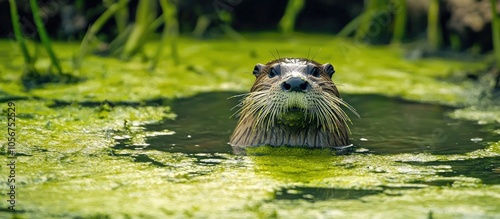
(203, 125)
(125, 142)
(391, 126)
(403, 187)
(146, 159)
(107, 103)
(141, 158)
(386, 126)
(487, 169)
(5, 97)
(319, 194)
(439, 182)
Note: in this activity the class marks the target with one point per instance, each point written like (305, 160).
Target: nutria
(293, 102)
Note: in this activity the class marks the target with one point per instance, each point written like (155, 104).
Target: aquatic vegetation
(145, 15)
(170, 33)
(374, 16)
(360, 69)
(84, 149)
(287, 22)
(28, 60)
(107, 142)
(495, 29)
(434, 37)
(31, 76)
(94, 28)
(44, 37)
(400, 20)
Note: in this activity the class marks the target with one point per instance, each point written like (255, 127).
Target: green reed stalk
(366, 19)
(28, 61)
(116, 46)
(170, 32)
(495, 27)
(144, 16)
(352, 25)
(121, 17)
(433, 27)
(287, 22)
(96, 26)
(400, 21)
(44, 37)
(173, 28)
(455, 42)
(373, 10)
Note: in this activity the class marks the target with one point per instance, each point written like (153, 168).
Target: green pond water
(127, 142)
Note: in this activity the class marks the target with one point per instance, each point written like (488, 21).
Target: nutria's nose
(295, 84)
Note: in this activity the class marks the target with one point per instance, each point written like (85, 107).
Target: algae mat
(66, 166)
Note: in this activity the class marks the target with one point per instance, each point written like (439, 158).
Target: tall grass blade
(401, 17)
(28, 61)
(94, 28)
(287, 22)
(433, 27)
(146, 13)
(495, 29)
(44, 37)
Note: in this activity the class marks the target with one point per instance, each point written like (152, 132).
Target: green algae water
(130, 143)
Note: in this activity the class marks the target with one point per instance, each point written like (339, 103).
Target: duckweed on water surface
(69, 168)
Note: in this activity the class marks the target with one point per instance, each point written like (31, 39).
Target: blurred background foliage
(120, 28)
(466, 22)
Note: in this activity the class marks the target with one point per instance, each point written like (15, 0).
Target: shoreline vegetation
(379, 18)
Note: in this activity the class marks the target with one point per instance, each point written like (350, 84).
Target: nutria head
(292, 102)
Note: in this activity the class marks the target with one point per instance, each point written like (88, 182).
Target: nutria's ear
(258, 69)
(329, 70)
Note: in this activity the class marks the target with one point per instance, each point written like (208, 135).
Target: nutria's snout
(296, 84)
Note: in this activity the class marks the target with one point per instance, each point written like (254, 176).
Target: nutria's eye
(273, 72)
(315, 72)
